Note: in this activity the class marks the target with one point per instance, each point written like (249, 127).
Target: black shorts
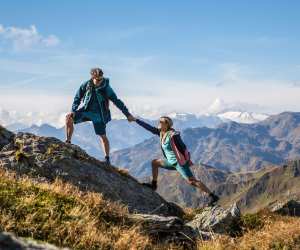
(95, 118)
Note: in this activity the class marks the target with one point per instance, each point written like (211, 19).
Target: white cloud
(230, 73)
(220, 106)
(51, 41)
(10, 117)
(26, 38)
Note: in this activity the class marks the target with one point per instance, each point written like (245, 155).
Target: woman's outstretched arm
(148, 127)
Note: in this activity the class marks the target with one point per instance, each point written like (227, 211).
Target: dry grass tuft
(277, 233)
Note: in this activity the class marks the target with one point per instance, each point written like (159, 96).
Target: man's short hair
(96, 71)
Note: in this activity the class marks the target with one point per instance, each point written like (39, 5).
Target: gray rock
(290, 207)
(5, 137)
(155, 224)
(217, 219)
(168, 228)
(10, 242)
(47, 158)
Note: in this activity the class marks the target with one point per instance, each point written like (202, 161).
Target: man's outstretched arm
(118, 102)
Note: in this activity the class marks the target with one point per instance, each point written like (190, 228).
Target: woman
(176, 156)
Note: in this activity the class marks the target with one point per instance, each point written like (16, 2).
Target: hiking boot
(68, 141)
(107, 161)
(152, 185)
(213, 199)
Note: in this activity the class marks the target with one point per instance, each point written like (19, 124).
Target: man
(95, 94)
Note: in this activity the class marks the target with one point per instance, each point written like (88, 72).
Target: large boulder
(168, 228)
(217, 220)
(289, 207)
(155, 224)
(5, 137)
(171, 228)
(10, 242)
(47, 158)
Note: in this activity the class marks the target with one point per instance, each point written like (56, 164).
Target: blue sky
(159, 55)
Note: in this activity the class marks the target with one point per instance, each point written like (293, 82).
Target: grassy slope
(249, 179)
(261, 231)
(60, 214)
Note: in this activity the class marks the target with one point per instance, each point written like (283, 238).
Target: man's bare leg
(105, 147)
(69, 128)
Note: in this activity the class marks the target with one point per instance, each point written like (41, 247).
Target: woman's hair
(168, 120)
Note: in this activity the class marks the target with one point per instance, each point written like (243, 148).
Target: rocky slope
(231, 146)
(47, 158)
(278, 184)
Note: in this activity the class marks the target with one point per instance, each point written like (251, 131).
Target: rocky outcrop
(217, 219)
(166, 228)
(10, 242)
(47, 158)
(5, 137)
(290, 207)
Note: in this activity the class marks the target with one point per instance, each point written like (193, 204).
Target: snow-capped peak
(217, 106)
(242, 117)
(181, 116)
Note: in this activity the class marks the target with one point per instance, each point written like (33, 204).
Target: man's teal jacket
(104, 93)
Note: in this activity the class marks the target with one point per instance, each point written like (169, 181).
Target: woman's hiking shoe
(68, 141)
(152, 185)
(213, 199)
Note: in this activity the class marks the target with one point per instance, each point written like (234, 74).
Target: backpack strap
(103, 93)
